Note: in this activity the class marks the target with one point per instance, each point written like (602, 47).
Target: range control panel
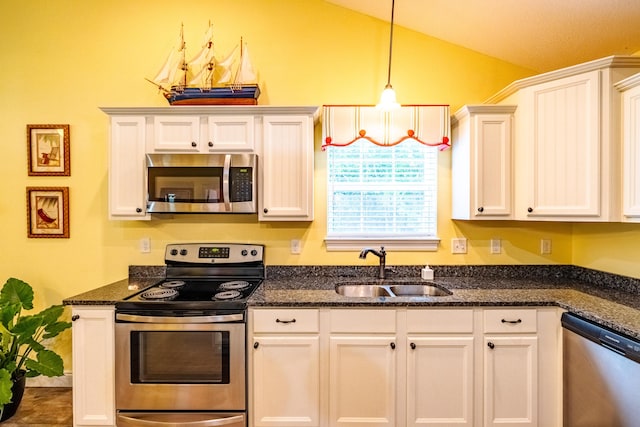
(210, 253)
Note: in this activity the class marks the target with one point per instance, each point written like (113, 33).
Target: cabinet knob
(138, 210)
(265, 210)
(75, 317)
(480, 209)
(491, 345)
(210, 144)
(413, 346)
(256, 344)
(193, 144)
(529, 210)
(393, 345)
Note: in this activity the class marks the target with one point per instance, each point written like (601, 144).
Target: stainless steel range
(180, 344)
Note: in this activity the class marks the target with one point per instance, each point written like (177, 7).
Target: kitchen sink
(390, 289)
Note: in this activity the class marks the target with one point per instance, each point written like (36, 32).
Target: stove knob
(174, 252)
(254, 252)
(183, 252)
(244, 252)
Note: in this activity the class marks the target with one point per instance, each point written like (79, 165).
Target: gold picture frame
(48, 150)
(48, 212)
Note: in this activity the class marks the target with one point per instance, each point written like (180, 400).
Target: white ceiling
(541, 35)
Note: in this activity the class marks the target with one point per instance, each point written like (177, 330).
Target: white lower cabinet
(93, 366)
(285, 368)
(405, 367)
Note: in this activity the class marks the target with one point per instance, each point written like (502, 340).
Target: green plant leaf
(53, 329)
(17, 291)
(26, 328)
(48, 363)
(5, 387)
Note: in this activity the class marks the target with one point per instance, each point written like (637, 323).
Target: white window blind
(382, 194)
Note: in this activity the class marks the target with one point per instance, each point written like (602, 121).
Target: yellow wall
(62, 60)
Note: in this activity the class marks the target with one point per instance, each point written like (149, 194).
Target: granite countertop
(610, 300)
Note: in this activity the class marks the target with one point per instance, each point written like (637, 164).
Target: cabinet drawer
(380, 321)
(440, 321)
(285, 320)
(510, 320)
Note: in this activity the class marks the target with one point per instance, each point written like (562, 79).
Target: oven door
(177, 364)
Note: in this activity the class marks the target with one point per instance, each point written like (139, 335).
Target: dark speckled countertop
(608, 299)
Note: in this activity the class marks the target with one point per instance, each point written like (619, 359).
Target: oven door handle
(133, 422)
(225, 318)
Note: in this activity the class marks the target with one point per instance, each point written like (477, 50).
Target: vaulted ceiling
(541, 35)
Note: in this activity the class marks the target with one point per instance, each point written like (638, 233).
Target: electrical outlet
(545, 246)
(459, 245)
(496, 246)
(296, 246)
(145, 245)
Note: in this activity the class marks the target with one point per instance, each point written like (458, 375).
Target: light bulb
(388, 99)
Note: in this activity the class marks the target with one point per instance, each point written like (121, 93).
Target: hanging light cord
(390, 44)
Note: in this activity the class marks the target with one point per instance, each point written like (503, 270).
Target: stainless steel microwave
(201, 183)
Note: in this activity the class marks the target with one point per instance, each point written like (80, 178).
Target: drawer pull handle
(256, 344)
(286, 321)
(491, 345)
(512, 321)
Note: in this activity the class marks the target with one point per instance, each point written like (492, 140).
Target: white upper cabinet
(286, 188)
(567, 142)
(481, 162)
(630, 89)
(282, 137)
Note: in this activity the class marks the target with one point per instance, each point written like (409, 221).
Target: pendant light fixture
(388, 97)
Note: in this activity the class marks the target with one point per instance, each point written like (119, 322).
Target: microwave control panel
(241, 179)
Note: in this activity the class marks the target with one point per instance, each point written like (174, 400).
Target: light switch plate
(496, 246)
(145, 245)
(545, 246)
(296, 246)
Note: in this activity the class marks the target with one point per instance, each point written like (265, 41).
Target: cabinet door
(492, 165)
(176, 133)
(286, 381)
(362, 381)
(93, 366)
(440, 381)
(511, 381)
(231, 133)
(631, 156)
(286, 190)
(127, 184)
(561, 156)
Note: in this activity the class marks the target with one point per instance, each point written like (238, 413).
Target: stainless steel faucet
(380, 254)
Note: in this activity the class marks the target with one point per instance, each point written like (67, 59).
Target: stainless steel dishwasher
(601, 376)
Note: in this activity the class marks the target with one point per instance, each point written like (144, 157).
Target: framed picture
(48, 150)
(48, 212)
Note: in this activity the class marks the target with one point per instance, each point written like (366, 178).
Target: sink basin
(390, 289)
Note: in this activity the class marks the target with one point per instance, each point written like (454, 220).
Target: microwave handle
(141, 422)
(225, 183)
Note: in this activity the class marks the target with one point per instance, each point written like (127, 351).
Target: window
(383, 194)
(382, 183)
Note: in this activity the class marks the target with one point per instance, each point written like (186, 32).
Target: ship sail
(168, 74)
(204, 61)
(245, 73)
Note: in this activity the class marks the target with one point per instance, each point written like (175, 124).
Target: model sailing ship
(204, 80)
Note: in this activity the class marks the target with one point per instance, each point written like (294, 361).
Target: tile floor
(43, 407)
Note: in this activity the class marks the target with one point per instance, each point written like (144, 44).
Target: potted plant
(22, 338)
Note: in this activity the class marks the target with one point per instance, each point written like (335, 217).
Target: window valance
(345, 124)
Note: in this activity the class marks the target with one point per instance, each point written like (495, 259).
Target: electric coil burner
(205, 277)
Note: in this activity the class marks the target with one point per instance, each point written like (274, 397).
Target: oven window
(172, 357)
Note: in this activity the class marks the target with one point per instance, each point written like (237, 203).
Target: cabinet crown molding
(214, 110)
(614, 61)
(482, 108)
